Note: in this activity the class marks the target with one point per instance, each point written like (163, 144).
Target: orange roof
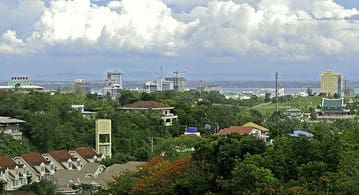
(61, 155)
(145, 104)
(87, 152)
(236, 129)
(7, 162)
(34, 159)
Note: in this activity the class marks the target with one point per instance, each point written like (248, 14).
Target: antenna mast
(276, 91)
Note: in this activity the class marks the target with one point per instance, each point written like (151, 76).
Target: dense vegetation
(325, 164)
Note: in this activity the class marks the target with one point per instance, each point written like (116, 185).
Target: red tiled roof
(7, 162)
(34, 159)
(236, 129)
(61, 155)
(87, 152)
(145, 105)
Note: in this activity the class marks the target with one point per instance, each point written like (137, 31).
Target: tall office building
(103, 137)
(331, 83)
(83, 86)
(113, 84)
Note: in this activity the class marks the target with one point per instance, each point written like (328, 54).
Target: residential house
(86, 155)
(11, 126)
(164, 109)
(243, 130)
(12, 173)
(63, 160)
(37, 167)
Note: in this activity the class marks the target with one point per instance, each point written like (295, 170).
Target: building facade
(331, 83)
(11, 126)
(103, 137)
(165, 110)
(113, 84)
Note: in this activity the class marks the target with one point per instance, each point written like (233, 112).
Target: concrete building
(331, 83)
(12, 173)
(158, 85)
(180, 83)
(103, 137)
(85, 113)
(113, 84)
(82, 86)
(21, 84)
(11, 126)
(165, 110)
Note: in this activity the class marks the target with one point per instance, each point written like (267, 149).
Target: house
(86, 114)
(11, 126)
(63, 160)
(12, 173)
(333, 109)
(242, 130)
(164, 109)
(86, 155)
(37, 167)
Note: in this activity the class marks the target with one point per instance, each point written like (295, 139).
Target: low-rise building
(333, 109)
(63, 160)
(11, 126)
(244, 130)
(85, 113)
(164, 109)
(12, 173)
(86, 155)
(37, 167)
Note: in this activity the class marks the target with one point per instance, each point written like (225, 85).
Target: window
(168, 120)
(69, 165)
(51, 167)
(42, 168)
(104, 138)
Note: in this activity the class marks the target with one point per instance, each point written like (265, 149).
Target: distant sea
(228, 87)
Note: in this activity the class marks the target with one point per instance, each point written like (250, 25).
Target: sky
(201, 39)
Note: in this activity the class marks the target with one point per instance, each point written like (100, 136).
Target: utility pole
(276, 91)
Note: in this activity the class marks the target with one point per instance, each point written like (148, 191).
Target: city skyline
(210, 40)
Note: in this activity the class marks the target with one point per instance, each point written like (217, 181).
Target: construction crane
(178, 72)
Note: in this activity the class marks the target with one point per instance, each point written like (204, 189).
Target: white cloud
(283, 29)
(9, 44)
(275, 28)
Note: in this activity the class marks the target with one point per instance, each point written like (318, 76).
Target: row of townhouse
(33, 167)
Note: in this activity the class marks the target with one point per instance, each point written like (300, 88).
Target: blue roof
(192, 129)
(298, 133)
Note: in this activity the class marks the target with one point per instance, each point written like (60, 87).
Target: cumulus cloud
(139, 25)
(284, 29)
(287, 29)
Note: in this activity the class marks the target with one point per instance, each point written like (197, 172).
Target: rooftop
(6, 120)
(251, 124)
(34, 159)
(86, 152)
(7, 162)
(61, 155)
(236, 129)
(333, 103)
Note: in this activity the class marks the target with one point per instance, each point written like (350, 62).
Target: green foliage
(43, 187)
(12, 147)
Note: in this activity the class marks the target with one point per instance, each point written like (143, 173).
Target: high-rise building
(331, 83)
(180, 83)
(113, 84)
(103, 137)
(83, 86)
